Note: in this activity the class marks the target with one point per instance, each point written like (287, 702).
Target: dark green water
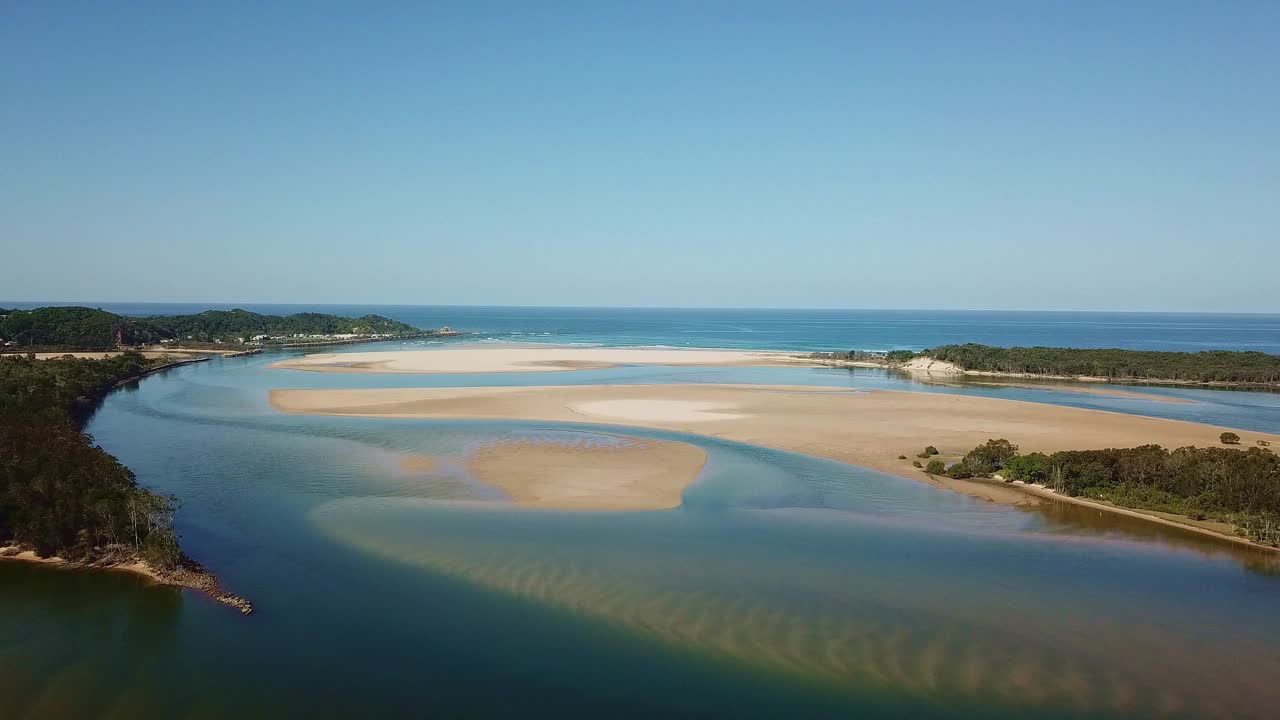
(785, 585)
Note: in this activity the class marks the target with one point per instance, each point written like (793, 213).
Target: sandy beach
(472, 359)
(12, 552)
(192, 578)
(868, 428)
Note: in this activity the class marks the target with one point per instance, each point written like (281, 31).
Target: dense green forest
(1210, 366)
(232, 324)
(1241, 487)
(76, 327)
(91, 329)
(59, 492)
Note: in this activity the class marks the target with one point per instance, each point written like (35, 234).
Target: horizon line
(239, 304)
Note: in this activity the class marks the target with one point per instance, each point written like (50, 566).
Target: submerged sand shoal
(867, 428)
(630, 474)
(472, 359)
(573, 472)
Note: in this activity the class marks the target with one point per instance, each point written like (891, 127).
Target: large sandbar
(868, 428)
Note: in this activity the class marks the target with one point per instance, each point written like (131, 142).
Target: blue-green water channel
(784, 585)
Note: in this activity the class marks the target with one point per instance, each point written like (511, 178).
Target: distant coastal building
(446, 330)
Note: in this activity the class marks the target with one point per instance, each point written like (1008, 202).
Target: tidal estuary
(783, 584)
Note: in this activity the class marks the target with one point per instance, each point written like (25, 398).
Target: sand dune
(472, 359)
(930, 366)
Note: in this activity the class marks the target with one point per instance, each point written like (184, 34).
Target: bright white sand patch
(933, 367)
(657, 410)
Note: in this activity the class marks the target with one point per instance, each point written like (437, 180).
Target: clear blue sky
(1063, 155)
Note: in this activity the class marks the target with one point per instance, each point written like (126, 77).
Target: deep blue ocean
(812, 330)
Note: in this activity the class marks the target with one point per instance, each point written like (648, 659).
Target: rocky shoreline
(189, 573)
(192, 575)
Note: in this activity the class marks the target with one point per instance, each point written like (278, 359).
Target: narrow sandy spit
(473, 359)
(551, 358)
(867, 428)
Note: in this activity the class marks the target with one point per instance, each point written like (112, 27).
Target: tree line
(1208, 366)
(870, 356)
(1238, 486)
(95, 329)
(60, 493)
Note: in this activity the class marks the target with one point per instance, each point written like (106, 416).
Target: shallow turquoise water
(785, 584)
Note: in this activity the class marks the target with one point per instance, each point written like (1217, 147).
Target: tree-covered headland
(76, 327)
(60, 493)
(230, 325)
(92, 329)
